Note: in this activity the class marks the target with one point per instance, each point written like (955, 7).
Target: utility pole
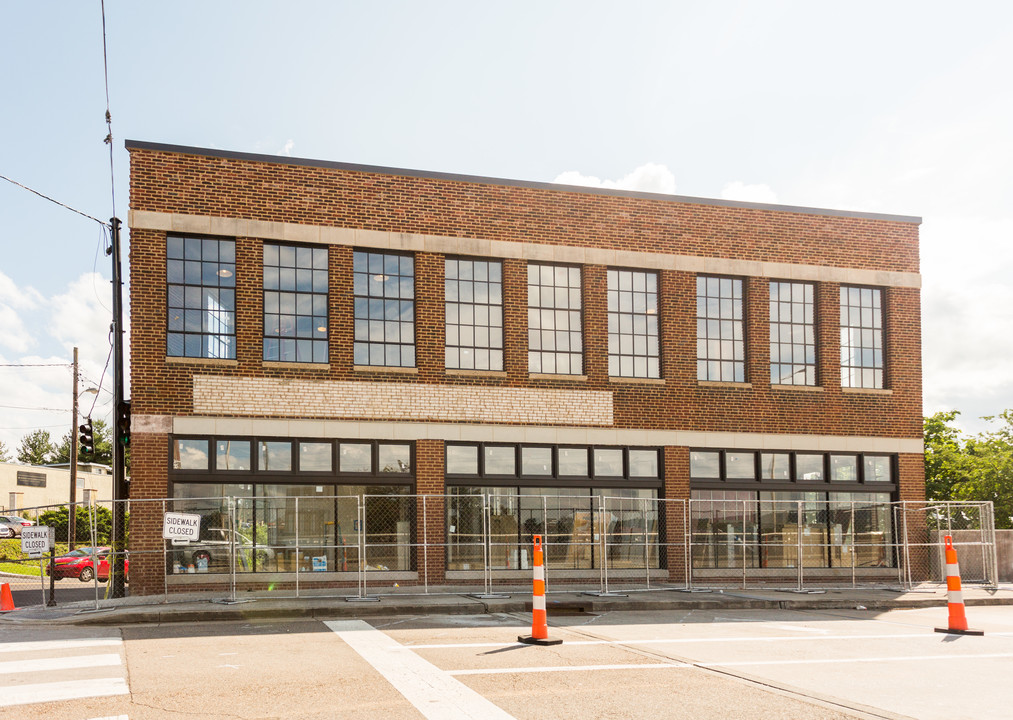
(72, 508)
(117, 574)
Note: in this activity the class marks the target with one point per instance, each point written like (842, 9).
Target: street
(698, 664)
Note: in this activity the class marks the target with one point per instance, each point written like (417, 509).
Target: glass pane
(394, 458)
(808, 467)
(644, 463)
(536, 461)
(740, 465)
(844, 468)
(315, 456)
(877, 469)
(573, 461)
(462, 459)
(775, 466)
(233, 455)
(355, 457)
(275, 456)
(499, 460)
(189, 454)
(608, 462)
(705, 465)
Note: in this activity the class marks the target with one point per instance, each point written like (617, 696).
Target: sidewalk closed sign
(181, 526)
(36, 541)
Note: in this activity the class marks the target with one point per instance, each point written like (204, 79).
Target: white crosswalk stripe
(75, 661)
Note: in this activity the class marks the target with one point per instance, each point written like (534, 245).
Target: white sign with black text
(38, 540)
(181, 526)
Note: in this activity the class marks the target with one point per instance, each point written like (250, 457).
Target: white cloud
(650, 177)
(289, 146)
(13, 302)
(738, 190)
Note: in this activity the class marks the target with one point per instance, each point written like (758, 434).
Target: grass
(28, 567)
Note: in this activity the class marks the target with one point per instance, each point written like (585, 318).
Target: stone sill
(295, 365)
(803, 388)
(553, 376)
(636, 381)
(172, 360)
(477, 373)
(729, 385)
(866, 391)
(385, 369)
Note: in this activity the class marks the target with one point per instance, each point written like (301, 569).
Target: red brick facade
(167, 182)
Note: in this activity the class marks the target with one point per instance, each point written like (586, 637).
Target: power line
(109, 117)
(46, 197)
(22, 407)
(36, 364)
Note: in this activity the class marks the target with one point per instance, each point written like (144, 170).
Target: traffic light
(87, 440)
(123, 423)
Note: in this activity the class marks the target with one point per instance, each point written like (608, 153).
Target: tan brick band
(416, 242)
(273, 397)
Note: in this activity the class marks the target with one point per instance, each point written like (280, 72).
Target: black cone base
(969, 631)
(538, 641)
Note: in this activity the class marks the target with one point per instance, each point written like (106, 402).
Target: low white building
(28, 486)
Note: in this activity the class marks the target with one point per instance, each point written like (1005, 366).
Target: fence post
(232, 543)
(425, 543)
(798, 524)
(298, 551)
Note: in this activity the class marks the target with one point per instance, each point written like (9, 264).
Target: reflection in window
(499, 460)
(536, 461)
(740, 465)
(474, 314)
(644, 463)
(809, 467)
(295, 303)
(315, 457)
(555, 343)
(355, 458)
(233, 455)
(877, 469)
(861, 337)
(394, 458)
(792, 333)
(633, 324)
(274, 456)
(705, 465)
(190, 454)
(608, 462)
(384, 288)
(720, 344)
(775, 466)
(573, 461)
(462, 459)
(725, 528)
(201, 279)
(843, 468)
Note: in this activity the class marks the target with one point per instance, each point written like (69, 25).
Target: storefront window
(809, 468)
(740, 465)
(462, 459)
(877, 469)
(725, 528)
(355, 458)
(775, 466)
(232, 455)
(189, 454)
(536, 461)
(608, 462)
(394, 458)
(705, 465)
(843, 468)
(315, 457)
(573, 461)
(274, 456)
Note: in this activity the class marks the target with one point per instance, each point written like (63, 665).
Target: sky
(901, 108)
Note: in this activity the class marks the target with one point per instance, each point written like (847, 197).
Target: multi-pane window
(384, 288)
(201, 278)
(295, 303)
(861, 337)
(792, 334)
(720, 343)
(555, 344)
(633, 324)
(474, 311)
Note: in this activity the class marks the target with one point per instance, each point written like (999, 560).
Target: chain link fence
(361, 547)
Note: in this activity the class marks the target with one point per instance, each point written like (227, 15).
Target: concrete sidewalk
(458, 601)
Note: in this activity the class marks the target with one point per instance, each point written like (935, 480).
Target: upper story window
(633, 324)
(295, 303)
(474, 312)
(384, 288)
(201, 279)
(861, 337)
(555, 342)
(792, 333)
(720, 343)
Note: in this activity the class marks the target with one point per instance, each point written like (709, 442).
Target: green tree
(36, 448)
(103, 447)
(5, 453)
(976, 468)
(82, 524)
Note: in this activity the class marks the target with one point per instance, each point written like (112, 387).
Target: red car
(78, 563)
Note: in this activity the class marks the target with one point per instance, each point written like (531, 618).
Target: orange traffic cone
(539, 619)
(6, 599)
(954, 595)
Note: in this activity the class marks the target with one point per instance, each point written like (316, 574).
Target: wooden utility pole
(72, 508)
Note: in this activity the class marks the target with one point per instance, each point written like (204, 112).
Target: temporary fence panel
(972, 526)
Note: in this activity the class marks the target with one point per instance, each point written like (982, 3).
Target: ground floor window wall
(497, 525)
(294, 527)
(764, 529)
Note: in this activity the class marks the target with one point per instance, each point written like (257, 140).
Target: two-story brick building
(442, 343)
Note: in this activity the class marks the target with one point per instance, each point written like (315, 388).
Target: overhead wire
(46, 197)
(109, 117)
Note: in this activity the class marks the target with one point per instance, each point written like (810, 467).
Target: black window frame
(540, 352)
(360, 343)
(317, 337)
(615, 339)
(226, 280)
(491, 347)
(704, 360)
(790, 324)
(845, 367)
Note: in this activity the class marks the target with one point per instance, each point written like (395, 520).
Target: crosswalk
(54, 670)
